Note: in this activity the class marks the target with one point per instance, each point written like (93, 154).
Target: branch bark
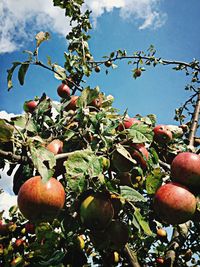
(131, 255)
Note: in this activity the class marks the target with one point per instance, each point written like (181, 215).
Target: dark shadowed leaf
(22, 72)
(10, 74)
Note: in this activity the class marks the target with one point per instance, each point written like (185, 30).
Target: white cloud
(21, 19)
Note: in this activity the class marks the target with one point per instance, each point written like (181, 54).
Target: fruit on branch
(30, 106)
(185, 169)
(161, 232)
(127, 123)
(16, 261)
(30, 228)
(174, 203)
(97, 102)
(160, 261)
(63, 90)
(117, 234)
(108, 63)
(39, 200)
(96, 211)
(97, 69)
(137, 73)
(188, 255)
(55, 146)
(72, 104)
(140, 154)
(162, 134)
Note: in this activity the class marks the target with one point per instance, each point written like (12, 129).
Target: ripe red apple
(162, 134)
(160, 261)
(72, 103)
(97, 102)
(140, 154)
(63, 90)
(40, 201)
(55, 146)
(174, 203)
(96, 211)
(30, 106)
(30, 228)
(127, 123)
(185, 169)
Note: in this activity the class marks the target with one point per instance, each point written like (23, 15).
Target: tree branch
(131, 256)
(195, 119)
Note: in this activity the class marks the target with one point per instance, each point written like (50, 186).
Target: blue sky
(171, 26)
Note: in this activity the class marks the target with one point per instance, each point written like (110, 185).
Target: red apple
(162, 134)
(127, 123)
(72, 103)
(39, 201)
(185, 169)
(63, 90)
(160, 261)
(55, 146)
(30, 228)
(174, 203)
(137, 73)
(140, 154)
(30, 106)
(97, 102)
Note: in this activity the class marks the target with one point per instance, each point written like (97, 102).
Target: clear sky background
(171, 26)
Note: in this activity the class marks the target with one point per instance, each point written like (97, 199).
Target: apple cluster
(175, 202)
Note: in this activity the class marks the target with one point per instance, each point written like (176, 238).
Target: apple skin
(96, 211)
(63, 90)
(140, 154)
(162, 134)
(174, 203)
(30, 106)
(185, 169)
(55, 146)
(72, 103)
(127, 123)
(97, 102)
(39, 201)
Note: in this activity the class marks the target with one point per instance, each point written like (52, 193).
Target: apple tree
(95, 187)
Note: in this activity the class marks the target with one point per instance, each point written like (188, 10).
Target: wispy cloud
(21, 19)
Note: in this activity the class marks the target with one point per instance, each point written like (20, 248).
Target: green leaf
(142, 222)
(6, 131)
(139, 133)
(131, 194)
(41, 37)
(39, 156)
(55, 259)
(10, 74)
(22, 72)
(87, 96)
(154, 181)
(79, 165)
(61, 72)
(23, 122)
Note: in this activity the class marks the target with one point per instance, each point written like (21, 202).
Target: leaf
(79, 165)
(23, 122)
(41, 37)
(6, 131)
(40, 155)
(131, 194)
(55, 259)
(123, 152)
(154, 181)
(10, 74)
(22, 72)
(61, 72)
(142, 222)
(87, 96)
(139, 133)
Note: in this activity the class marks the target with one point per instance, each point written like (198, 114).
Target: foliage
(91, 137)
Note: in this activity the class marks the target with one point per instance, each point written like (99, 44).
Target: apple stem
(195, 118)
